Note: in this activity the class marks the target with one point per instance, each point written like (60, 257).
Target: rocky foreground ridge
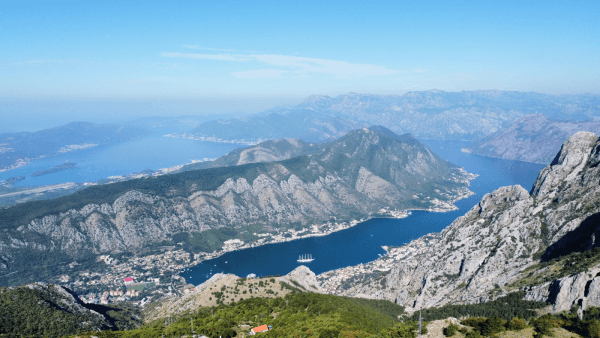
(229, 288)
(541, 242)
(368, 172)
(532, 138)
(43, 308)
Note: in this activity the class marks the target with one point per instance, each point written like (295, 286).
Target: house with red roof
(262, 328)
(128, 280)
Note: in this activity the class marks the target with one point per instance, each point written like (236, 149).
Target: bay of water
(359, 244)
(151, 152)
(362, 243)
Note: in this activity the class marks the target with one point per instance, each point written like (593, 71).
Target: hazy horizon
(20, 115)
(64, 60)
(33, 115)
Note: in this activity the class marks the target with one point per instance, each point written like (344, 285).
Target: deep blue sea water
(150, 152)
(362, 243)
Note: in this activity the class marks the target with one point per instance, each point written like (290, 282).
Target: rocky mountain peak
(502, 196)
(568, 163)
(544, 244)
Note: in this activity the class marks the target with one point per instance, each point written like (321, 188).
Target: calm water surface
(362, 243)
(151, 152)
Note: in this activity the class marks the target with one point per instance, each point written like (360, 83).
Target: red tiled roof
(260, 328)
(128, 279)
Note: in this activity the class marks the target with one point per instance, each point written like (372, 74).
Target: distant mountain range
(533, 138)
(366, 173)
(426, 115)
(175, 123)
(17, 149)
(303, 123)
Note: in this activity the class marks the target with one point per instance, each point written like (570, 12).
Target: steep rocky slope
(536, 241)
(533, 138)
(41, 309)
(433, 114)
(368, 172)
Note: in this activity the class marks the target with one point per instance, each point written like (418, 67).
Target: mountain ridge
(362, 174)
(532, 138)
(513, 239)
(467, 115)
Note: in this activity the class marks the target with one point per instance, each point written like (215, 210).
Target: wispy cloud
(220, 57)
(208, 48)
(260, 73)
(421, 70)
(296, 64)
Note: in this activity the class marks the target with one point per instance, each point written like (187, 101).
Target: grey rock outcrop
(582, 289)
(487, 252)
(303, 276)
(202, 295)
(67, 301)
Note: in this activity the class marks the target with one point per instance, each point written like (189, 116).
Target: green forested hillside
(51, 311)
(506, 307)
(305, 315)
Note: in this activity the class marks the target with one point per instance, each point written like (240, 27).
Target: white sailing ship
(305, 259)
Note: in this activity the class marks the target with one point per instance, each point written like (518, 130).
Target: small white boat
(305, 259)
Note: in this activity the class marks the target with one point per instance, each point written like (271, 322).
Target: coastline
(20, 163)
(335, 227)
(214, 139)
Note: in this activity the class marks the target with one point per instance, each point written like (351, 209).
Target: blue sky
(180, 50)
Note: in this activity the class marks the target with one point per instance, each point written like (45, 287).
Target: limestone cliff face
(581, 289)
(356, 176)
(486, 252)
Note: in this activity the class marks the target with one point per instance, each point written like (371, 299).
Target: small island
(60, 167)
